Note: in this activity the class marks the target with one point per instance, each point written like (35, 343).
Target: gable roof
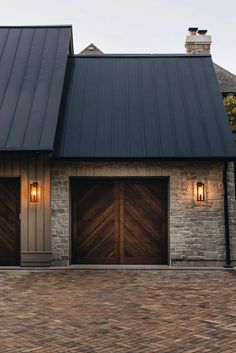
(226, 80)
(91, 49)
(32, 69)
(135, 106)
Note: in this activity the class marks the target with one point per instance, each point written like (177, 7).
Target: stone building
(111, 159)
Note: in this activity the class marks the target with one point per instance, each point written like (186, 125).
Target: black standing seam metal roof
(137, 106)
(32, 68)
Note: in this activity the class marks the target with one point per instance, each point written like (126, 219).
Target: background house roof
(166, 106)
(91, 49)
(32, 69)
(226, 80)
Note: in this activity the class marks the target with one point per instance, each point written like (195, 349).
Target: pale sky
(133, 26)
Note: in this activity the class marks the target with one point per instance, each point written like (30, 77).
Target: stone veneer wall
(197, 48)
(196, 230)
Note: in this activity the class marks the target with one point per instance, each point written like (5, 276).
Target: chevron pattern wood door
(94, 222)
(9, 222)
(144, 229)
(119, 221)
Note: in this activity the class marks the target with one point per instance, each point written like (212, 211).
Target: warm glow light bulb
(200, 191)
(33, 192)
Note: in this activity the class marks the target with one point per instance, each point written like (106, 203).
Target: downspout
(226, 216)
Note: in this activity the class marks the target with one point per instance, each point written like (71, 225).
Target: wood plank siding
(35, 228)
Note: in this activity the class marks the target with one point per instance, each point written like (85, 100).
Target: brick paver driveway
(118, 311)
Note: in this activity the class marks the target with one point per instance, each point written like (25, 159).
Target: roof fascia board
(40, 26)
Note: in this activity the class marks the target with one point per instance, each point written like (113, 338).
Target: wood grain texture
(119, 221)
(93, 222)
(35, 218)
(145, 210)
(9, 222)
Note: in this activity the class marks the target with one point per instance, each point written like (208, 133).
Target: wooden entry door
(9, 222)
(119, 221)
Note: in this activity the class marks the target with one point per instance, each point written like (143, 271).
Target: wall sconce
(34, 191)
(200, 191)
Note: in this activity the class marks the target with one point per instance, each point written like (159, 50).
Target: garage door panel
(141, 220)
(103, 219)
(103, 231)
(144, 235)
(101, 247)
(138, 245)
(141, 235)
(119, 221)
(97, 203)
(93, 220)
(137, 248)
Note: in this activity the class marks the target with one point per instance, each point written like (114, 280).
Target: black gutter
(143, 159)
(226, 214)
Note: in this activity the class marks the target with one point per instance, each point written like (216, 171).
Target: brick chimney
(197, 41)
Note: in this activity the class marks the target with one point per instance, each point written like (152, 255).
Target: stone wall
(197, 48)
(232, 209)
(196, 229)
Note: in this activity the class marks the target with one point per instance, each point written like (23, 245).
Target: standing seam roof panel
(26, 98)
(32, 68)
(104, 129)
(206, 110)
(135, 112)
(223, 130)
(18, 77)
(57, 81)
(147, 106)
(178, 113)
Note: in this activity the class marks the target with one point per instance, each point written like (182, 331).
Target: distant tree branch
(230, 106)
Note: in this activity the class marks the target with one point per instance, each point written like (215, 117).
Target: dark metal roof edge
(141, 56)
(71, 45)
(26, 151)
(38, 26)
(130, 159)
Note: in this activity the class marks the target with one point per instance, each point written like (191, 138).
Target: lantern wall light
(34, 191)
(200, 191)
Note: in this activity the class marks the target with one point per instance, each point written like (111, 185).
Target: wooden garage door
(119, 221)
(9, 222)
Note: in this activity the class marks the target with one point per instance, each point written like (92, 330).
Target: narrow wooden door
(9, 222)
(119, 221)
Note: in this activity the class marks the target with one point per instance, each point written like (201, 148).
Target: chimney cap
(202, 31)
(193, 29)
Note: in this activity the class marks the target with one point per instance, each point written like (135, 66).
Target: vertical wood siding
(35, 217)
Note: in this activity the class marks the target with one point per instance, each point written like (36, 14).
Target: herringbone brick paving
(118, 311)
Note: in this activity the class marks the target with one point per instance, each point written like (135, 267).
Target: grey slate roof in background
(32, 69)
(163, 106)
(226, 80)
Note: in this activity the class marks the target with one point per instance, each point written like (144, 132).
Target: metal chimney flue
(202, 32)
(193, 31)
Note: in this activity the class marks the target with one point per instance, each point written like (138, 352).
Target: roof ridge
(141, 56)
